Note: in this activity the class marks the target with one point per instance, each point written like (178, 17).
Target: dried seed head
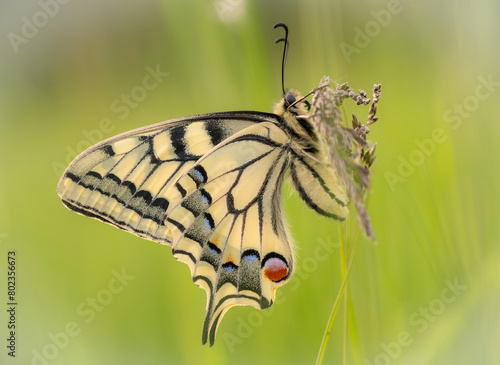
(347, 149)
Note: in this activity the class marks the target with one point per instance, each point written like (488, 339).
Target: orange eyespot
(275, 269)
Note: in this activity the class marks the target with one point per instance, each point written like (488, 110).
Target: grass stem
(345, 270)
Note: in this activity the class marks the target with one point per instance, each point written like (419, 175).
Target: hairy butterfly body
(210, 187)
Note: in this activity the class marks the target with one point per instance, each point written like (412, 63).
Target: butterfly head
(293, 103)
(293, 109)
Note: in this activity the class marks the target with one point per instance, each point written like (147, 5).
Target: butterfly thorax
(295, 122)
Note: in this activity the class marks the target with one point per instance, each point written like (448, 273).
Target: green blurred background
(434, 199)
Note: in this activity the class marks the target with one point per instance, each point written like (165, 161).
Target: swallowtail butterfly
(210, 187)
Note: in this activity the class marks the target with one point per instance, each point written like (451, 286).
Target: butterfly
(210, 186)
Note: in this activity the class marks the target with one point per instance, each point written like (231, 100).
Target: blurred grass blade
(336, 304)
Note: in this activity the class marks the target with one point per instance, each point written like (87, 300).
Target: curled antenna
(285, 51)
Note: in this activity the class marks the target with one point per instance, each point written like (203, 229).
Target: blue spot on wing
(200, 175)
(213, 249)
(204, 198)
(229, 266)
(209, 221)
(251, 258)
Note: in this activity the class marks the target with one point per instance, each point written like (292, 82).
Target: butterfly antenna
(309, 93)
(285, 52)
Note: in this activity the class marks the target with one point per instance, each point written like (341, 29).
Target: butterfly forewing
(126, 180)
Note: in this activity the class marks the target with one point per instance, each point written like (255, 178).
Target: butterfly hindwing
(228, 227)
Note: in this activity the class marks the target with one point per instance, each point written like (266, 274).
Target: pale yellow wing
(319, 186)
(125, 180)
(228, 227)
